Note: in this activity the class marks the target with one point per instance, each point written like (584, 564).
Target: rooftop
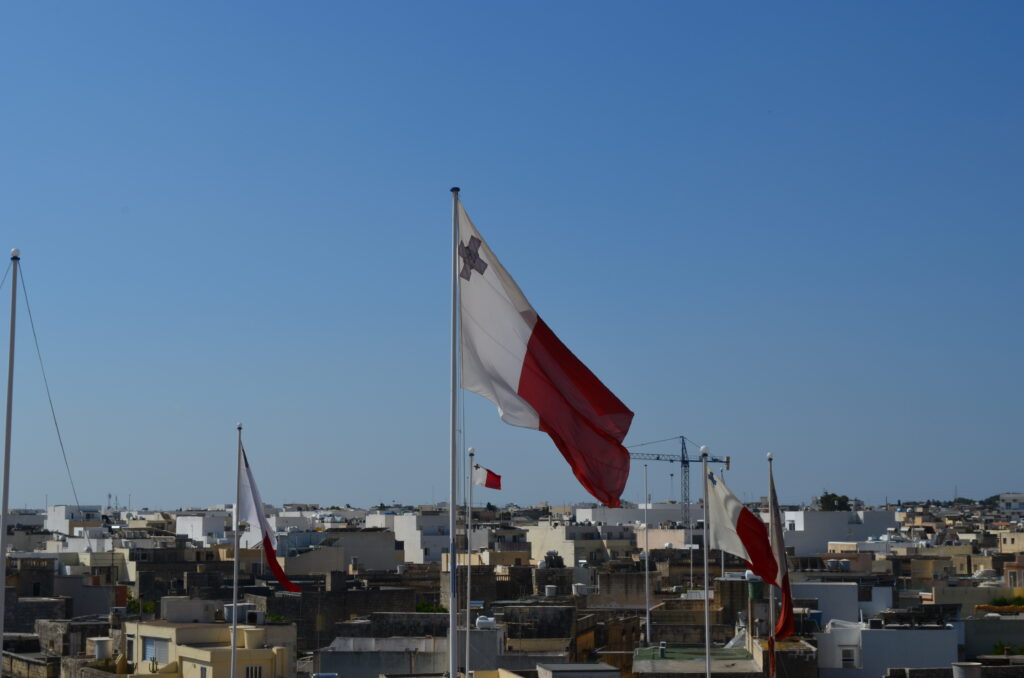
(690, 660)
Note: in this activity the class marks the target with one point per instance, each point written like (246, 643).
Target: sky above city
(787, 228)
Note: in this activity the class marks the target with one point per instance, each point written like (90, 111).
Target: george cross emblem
(711, 477)
(471, 260)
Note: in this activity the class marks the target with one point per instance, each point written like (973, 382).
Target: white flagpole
(469, 553)
(707, 534)
(647, 563)
(15, 258)
(771, 540)
(234, 581)
(453, 581)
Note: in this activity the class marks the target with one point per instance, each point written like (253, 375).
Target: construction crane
(684, 465)
(683, 459)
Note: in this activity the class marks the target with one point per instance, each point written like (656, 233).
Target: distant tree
(831, 501)
(424, 606)
(491, 507)
(991, 502)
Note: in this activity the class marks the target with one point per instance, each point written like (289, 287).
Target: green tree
(831, 501)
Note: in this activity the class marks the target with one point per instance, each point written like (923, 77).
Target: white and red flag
(735, 529)
(511, 357)
(785, 626)
(485, 477)
(250, 510)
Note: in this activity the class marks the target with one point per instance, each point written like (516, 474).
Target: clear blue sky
(791, 228)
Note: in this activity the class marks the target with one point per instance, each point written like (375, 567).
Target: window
(253, 672)
(154, 648)
(849, 656)
(202, 672)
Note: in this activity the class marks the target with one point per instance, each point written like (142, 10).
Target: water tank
(102, 647)
(832, 564)
(550, 591)
(844, 565)
(580, 589)
(483, 622)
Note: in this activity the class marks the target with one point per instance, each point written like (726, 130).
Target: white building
(63, 518)
(840, 600)
(809, 532)
(852, 650)
(1012, 503)
(424, 536)
(204, 528)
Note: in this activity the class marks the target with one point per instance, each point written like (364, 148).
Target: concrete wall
(880, 649)
(981, 635)
(836, 600)
(320, 560)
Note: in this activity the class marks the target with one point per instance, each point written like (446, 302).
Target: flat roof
(599, 666)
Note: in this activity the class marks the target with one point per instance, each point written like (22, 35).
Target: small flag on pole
(485, 477)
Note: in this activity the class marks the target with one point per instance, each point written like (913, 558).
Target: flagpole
(771, 589)
(707, 532)
(453, 581)
(15, 258)
(647, 562)
(469, 552)
(234, 581)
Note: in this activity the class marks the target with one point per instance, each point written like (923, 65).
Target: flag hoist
(502, 350)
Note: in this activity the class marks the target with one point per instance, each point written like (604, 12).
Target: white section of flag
(251, 505)
(723, 515)
(497, 322)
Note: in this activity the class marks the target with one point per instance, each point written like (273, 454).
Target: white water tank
(550, 591)
(483, 622)
(102, 647)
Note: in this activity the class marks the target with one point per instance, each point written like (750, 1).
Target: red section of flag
(493, 480)
(584, 419)
(786, 624)
(275, 567)
(754, 535)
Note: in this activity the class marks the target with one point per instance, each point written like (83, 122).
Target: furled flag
(485, 477)
(512, 358)
(785, 626)
(250, 510)
(735, 529)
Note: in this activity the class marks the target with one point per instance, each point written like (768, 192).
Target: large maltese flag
(512, 358)
(250, 510)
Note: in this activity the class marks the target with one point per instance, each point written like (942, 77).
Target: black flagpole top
(455, 189)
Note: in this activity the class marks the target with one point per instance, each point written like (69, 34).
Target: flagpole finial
(455, 189)
(472, 451)
(16, 253)
(239, 426)
(770, 456)
(704, 451)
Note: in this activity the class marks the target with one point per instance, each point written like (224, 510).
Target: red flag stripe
(754, 535)
(275, 567)
(586, 421)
